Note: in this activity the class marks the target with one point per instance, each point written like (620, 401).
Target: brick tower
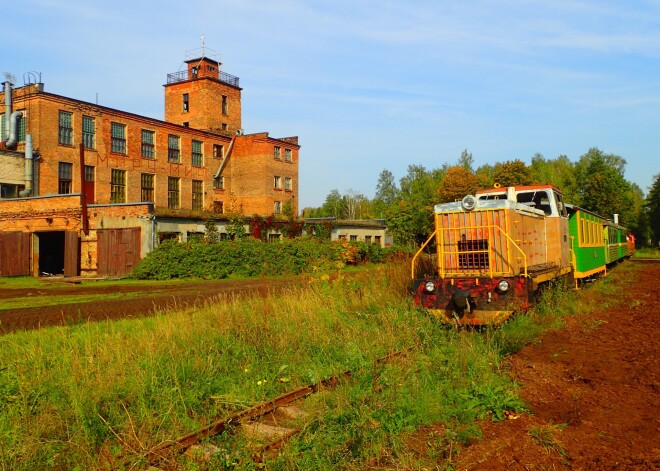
(203, 96)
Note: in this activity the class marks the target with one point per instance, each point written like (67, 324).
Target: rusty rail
(180, 444)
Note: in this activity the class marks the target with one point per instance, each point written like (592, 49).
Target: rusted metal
(83, 192)
(180, 444)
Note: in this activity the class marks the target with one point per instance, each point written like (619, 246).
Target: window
(224, 105)
(377, 240)
(89, 173)
(287, 155)
(64, 172)
(354, 237)
(173, 185)
(218, 151)
(274, 237)
(118, 186)
(197, 195)
(147, 187)
(219, 207)
(197, 157)
(277, 209)
(287, 183)
(277, 182)
(276, 153)
(148, 149)
(186, 103)
(89, 132)
(219, 182)
(118, 138)
(173, 148)
(367, 239)
(224, 126)
(66, 128)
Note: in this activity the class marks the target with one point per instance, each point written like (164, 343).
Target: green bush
(249, 258)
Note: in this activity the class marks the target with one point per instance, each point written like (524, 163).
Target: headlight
(429, 286)
(503, 286)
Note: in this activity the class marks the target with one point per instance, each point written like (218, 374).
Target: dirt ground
(592, 390)
(161, 297)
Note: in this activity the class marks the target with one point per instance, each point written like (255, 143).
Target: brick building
(96, 188)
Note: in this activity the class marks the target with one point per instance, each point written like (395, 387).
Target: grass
(89, 396)
(647, 252)
(546, 436)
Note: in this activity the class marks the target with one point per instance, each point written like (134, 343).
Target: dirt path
(592, 389)
(140, 300)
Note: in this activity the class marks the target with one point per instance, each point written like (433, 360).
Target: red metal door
(118, 250)
(14, 253)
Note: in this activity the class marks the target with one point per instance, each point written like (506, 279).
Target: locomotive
(491, 252)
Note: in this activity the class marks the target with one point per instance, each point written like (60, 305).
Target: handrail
(412, 265)
(442, 252)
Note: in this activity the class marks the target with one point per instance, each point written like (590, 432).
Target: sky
(372, 85)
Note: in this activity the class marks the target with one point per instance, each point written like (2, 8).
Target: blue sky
(369, 85)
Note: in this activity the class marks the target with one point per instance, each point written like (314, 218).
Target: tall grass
(89, 396)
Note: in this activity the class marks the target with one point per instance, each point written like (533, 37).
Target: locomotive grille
(473, 254)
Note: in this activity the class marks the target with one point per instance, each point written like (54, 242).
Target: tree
(457, 183)
(353, 205)
(512, 173)
(602, 188)
(559, 172)
(466, 161)
(653, 208)
(332, 207)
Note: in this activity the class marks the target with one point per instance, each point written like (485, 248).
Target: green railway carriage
(588, 248)
(617, 242)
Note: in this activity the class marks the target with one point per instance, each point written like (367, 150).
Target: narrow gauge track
(184, 442)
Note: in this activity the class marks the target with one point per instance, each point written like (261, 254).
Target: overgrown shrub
(249, 257)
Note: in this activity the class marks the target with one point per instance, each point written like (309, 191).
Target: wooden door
(118, 251)
(14, 253)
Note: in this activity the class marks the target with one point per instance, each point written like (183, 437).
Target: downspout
(29, 160)
(7, 85)
(224, 161)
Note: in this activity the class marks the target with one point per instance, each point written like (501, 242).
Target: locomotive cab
(492, 251)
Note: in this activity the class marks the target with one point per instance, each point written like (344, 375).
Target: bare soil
(150, 300)
(591, 387)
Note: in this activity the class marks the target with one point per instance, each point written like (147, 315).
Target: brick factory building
(89, 190)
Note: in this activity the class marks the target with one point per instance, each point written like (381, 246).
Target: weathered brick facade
(195, 162)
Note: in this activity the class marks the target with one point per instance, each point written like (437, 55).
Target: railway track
(260, 424)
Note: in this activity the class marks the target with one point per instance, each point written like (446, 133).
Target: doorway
(51, 253)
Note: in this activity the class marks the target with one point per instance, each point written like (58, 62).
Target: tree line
(594, 182)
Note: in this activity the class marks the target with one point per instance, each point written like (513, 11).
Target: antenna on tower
(203, 37)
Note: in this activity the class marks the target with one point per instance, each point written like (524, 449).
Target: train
(491, 253)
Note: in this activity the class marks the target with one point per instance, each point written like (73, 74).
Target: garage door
(118, 251)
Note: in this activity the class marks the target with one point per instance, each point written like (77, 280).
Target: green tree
(559, 172)
(653, 208)
(387, 193)
(602, 188)
(466, 161)
(332, 207)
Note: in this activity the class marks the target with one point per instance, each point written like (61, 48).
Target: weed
(545, 435)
